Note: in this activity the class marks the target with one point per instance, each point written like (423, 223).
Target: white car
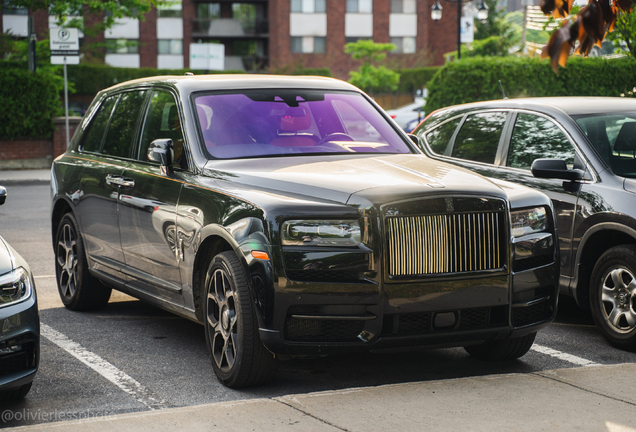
(407, 113)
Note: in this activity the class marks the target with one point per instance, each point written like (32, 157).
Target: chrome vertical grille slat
(446, 243)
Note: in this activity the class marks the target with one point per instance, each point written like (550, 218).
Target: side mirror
(3, 194)
(555, 169)
(160, 150)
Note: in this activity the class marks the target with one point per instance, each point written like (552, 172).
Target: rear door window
(123, 125)
(535, 137)
(478, 139)
(439, 138)
(95, 135)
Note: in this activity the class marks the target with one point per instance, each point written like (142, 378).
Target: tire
(78, 290)
(613, 296)
(238, 357)
(502, 349)
(15, 394)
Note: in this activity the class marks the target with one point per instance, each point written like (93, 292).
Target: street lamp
(436, 15)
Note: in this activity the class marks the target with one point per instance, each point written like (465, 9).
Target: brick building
(266, 34)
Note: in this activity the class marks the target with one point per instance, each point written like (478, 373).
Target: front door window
(537, 137)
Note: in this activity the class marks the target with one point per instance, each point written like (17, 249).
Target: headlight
(14, 287)
(321, 233)
(528, 221)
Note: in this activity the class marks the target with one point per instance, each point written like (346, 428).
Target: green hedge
(414, 79)
(477, 79)
(28, 103)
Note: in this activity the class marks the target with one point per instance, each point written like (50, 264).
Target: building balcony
(229, 27)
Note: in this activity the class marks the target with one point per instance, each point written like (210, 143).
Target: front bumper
(326, 318)
(19, 343)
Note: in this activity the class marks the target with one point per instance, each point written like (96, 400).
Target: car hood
(337, 178)
(6, 258)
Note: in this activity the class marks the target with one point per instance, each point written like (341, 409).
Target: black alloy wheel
(78, 289)
(613, 296)
(502, 349)
(238, 357)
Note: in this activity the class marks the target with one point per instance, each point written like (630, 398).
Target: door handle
(115, 180)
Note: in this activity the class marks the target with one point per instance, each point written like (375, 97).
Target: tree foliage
(495, 24)
(66, 10)
(369, 77)
(624, 35)
(493, 36)
(588, 28)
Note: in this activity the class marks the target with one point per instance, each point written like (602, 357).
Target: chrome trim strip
(444, 243)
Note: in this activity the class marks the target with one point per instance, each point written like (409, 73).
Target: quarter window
(121, 132)
(95, 134)
(537, 137)
(439, 138)
(479, 136)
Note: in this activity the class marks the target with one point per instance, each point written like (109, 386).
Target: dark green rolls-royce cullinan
(291, 216)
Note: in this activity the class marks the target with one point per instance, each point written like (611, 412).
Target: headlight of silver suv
(15, 287)
(321, 233)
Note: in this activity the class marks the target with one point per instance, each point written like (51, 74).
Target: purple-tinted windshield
(288, 122)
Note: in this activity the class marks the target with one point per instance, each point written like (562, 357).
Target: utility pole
(31, 52)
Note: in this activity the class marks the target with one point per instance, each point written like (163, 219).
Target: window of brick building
(170, 46)
(172, 10)
(308, 44)
(308, 6)
(403, 6)
(403, 45)
(122, 46)
(359, 6)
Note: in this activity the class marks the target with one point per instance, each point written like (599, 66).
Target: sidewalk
(593, 398)
(20, 177)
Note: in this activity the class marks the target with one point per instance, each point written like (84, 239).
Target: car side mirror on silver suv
(160, 150)
(555, 169)
(3, 194)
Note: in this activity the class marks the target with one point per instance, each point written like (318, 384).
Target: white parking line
(105, 369)
(563, 356)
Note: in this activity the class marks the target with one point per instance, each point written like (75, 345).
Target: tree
(588, 28)
(369, 77)
(493, 36)
(112, 9)
(624, 34)
(495, 24)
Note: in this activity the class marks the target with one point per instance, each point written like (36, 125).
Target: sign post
(64, 44)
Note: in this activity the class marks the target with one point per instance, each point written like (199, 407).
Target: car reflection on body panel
(290, 216)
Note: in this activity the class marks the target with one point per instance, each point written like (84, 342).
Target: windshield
(289, 122)
(614, 138)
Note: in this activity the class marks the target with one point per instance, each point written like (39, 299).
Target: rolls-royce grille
(447, 243)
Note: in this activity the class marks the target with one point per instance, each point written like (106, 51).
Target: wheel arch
(214, 240)
(594, 243)
(60, 208)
